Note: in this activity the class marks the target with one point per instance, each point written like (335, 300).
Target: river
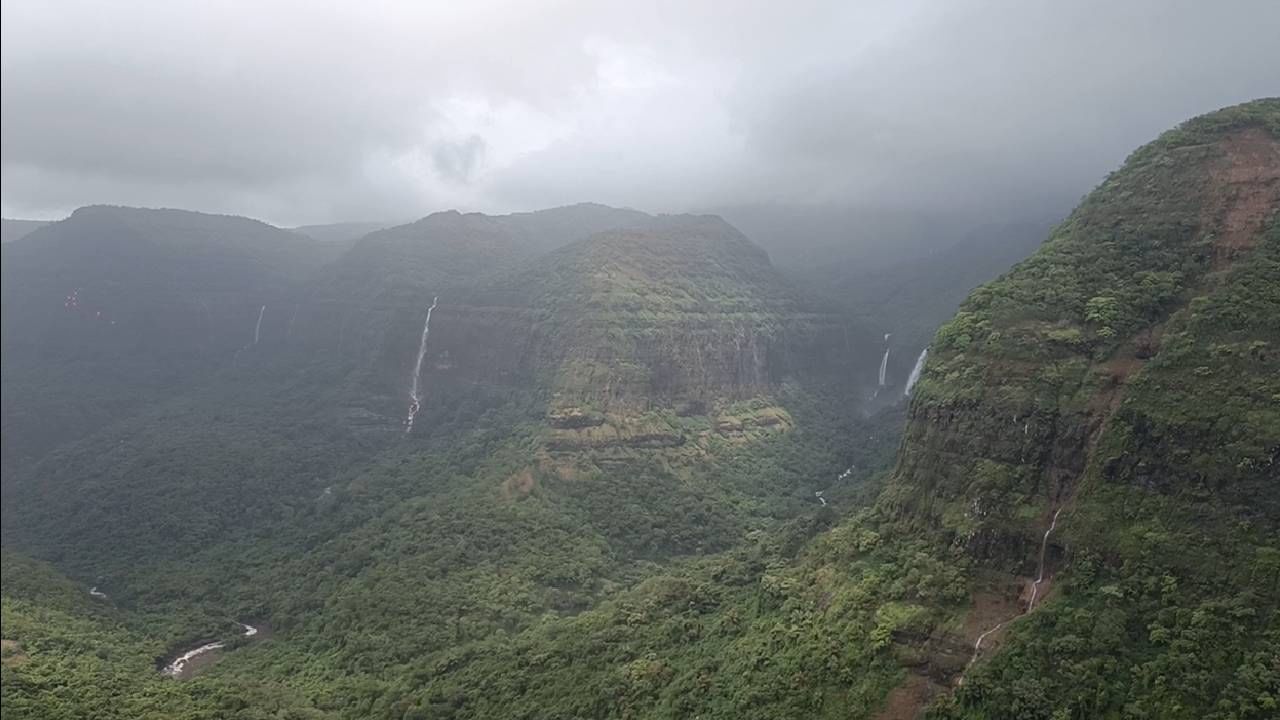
(182, 666)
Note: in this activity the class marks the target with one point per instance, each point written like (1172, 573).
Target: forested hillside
(564, 450)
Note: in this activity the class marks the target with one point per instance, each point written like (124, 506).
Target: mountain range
(592, 462)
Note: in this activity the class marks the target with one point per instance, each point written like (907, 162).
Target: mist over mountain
(424, 361)
(342, 232)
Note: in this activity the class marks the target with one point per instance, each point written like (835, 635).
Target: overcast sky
(310, 111)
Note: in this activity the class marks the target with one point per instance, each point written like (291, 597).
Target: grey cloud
(297, 112)
(457, 160)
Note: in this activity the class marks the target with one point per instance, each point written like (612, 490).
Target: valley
(592, 462)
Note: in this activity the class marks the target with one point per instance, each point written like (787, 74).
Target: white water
(257, 328)
(977, 646)
(175, 668)
(884, 365)
(914, 377)
(95, 592)
(818, 494)
(1044, 546)
(1035, 591)
(415, 402)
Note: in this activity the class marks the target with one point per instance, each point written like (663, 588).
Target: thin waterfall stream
(257, 327)
(1035, 591)
(916, 371)
(415, 400)
(1044, 545)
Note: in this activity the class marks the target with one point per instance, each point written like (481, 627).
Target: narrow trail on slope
(1035, 590)
(415, 400)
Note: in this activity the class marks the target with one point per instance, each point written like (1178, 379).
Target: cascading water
(415, 402)
(1035, 592)
(884, 362)
(257, 328)
(179, 664)
(1044, 546)
(916, 370)
(977, 648)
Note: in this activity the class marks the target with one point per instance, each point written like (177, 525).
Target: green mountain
(644, 479)
(1120, 389)
(114, 308)
(559, 456)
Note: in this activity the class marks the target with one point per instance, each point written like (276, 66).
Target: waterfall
(415, 401)
(884, 365)
(1044, 546)
(977, 647)
(257, 328)
(1035, 593)
(914, 377)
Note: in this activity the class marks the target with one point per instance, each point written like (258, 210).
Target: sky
(313, 112)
